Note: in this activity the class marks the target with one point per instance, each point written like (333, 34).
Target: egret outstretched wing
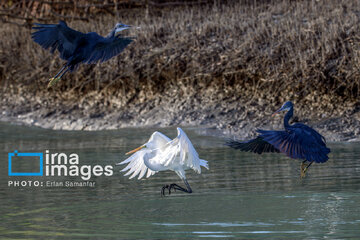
(136, 164)
(161, 154)
(181, 151)
(137, 161)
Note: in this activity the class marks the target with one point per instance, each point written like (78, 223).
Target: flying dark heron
(298, 141)
(77, 47)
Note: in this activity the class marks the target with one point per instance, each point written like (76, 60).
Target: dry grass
(307, 51)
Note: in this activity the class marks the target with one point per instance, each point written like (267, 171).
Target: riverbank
(227, 68)
(239, 115)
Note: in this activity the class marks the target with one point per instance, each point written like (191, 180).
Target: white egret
(161, 153)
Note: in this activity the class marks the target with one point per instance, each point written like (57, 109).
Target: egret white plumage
(161, 153)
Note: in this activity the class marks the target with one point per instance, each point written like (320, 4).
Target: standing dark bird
(77, 47)
(297, 141)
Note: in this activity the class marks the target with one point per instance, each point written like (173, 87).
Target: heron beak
(276, 112)
(129, 26)
(121, 29)
(135, 150)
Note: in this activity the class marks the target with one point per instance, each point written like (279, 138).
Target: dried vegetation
(217, 65)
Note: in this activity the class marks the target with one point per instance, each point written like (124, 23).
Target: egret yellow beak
(135, 150)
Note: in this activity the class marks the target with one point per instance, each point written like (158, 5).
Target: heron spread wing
(257, 145)
(107, 48)
(299, 142)
(181, 149)
(57, 36)
(136, 164)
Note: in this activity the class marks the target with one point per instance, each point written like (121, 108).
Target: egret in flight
(77, 47)
(161, 153)
(298, 141)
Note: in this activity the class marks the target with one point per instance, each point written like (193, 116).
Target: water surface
(242, 196)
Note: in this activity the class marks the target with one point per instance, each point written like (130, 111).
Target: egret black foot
(169, 187)
(175, 187)
(52, 81)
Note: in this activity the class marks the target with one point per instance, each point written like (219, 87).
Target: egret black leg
(189, 190)
(176, 187)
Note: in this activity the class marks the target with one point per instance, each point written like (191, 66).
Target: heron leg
(176, 187)
(304, 168)
(60, 71)
(53, 80)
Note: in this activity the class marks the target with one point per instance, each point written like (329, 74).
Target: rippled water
(242, 196)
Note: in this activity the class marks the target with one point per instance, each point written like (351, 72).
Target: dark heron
(77, 47)
(297, 141)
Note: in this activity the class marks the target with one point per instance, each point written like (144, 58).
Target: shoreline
(89, 125)
(334, 129)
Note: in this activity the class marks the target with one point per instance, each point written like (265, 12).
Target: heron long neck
(111, 34)
(287, 117)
